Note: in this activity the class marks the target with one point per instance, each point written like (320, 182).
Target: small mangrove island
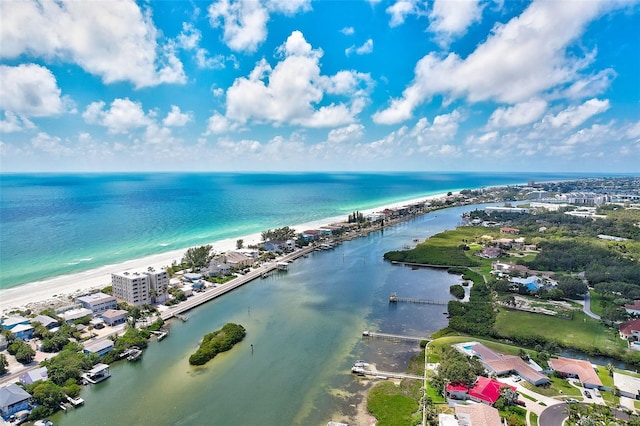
(218, 341)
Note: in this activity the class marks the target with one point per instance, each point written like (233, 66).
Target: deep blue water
(55, 224)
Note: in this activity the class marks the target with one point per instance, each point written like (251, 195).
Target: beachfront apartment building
(140, 288)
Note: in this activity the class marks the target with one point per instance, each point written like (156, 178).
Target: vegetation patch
(395, 405)
(218, 341)
(457, 291)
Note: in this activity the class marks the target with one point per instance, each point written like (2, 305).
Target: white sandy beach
(66, 286)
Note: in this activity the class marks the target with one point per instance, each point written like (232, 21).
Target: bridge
(395, 337)
(394, 298)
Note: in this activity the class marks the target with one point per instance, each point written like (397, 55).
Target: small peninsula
(218, 341)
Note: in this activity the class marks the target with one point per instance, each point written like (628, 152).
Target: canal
(305, 326)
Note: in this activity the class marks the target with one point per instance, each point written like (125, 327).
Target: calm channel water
(305, 326)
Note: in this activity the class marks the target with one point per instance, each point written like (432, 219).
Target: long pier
(395, 298)
(396, 337)
(384, 374)
(208, 295)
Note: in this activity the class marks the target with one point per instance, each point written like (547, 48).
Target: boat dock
(396, 337)
(366, 371)
(160, 334)
(75, 402)
(394, 298)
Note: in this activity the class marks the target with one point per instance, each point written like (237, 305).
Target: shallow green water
(305, 327)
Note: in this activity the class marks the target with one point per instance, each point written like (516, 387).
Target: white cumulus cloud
(519, 114)
(176, 118)
(31, 90)
(292, 92)
(112, 39)
(452, 18)
(520, 60)
(366, 48)
(574, 116)
(122, 115)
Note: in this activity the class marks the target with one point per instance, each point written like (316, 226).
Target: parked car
(517, 378)
(587, 394)
(596, 392)
(572, 401)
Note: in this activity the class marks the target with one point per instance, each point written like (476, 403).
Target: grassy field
(394, 405)
(557, 387)
(503, 348)
(582, 332)
(596, 307)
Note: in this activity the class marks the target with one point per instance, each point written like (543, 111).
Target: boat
(134, 354)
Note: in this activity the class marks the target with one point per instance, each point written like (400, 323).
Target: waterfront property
(98, 373)
(98, 302)
(101, 347)
(630, 330)
(10, 322)
(13, 399)
(583, 370)
(23, 331)
(628, 386)
(140, 288)
(501, 365)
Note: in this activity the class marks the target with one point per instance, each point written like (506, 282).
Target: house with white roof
(628, 386)
(98, 302)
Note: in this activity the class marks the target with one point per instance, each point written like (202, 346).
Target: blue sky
(300, 85)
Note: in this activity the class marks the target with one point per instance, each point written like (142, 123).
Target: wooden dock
(363, 371)
(395, 337)
(394, 298)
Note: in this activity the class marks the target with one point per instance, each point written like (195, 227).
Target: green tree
(3, 364)
(198, 257)
(48, 394)
(239, 244)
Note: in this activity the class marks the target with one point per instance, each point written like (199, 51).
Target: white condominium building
(139, 288)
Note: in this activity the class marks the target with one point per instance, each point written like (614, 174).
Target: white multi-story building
(158, 285)
(139, 288)
(98, 302)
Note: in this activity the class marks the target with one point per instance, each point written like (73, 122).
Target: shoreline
(71, 285)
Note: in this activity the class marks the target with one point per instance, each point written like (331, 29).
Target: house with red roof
(633, 308)
(630, 330)
(483, 390)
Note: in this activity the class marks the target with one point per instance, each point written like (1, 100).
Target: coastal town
(112, 323)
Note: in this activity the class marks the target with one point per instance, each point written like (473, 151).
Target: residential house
(9, 322)
(630, 330)
(628, 386)
(275, 245)
(101, 347)
(634, 308)
(238, 260)
(484, 390)
(75, 314)
(477, 415)
(13, 399)
(218, 268)
(501, 365)
(114, 317)
(45, 320)
(583, 370)
(490, 252)
(33, 376)
(98, 302)
(22, 331)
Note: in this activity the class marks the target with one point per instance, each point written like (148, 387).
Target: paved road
(587, 307)
(554, 415)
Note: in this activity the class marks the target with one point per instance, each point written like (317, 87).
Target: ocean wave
(164, 244)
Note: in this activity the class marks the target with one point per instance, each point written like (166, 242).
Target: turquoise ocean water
(56, 224)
